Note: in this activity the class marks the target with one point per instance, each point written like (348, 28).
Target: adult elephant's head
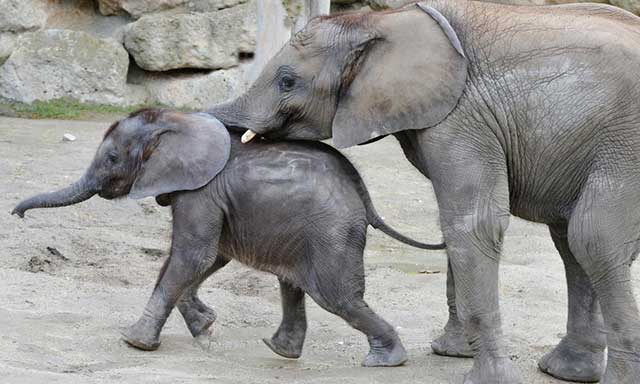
(356, 77)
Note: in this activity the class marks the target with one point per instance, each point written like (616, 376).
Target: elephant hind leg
(197, 315)
(580, 354)
(603, 236)
(338, 286)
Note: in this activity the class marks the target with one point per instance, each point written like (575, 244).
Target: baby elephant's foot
(390, 355)
(571, 361)
(452, 344)
(198, 316)
(286, 345)
(492, 371)
(142, 335)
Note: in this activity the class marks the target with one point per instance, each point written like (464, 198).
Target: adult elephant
(533, 111)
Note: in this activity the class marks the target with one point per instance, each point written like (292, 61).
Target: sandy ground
(62, 308)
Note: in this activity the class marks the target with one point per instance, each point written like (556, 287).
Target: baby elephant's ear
(189, 152)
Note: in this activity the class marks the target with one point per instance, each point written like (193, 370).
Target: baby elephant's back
(283, 199)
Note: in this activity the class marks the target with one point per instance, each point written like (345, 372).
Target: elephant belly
(277, 255)
(541, 212)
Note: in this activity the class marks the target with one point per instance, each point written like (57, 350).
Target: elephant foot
(284, 348)
(492, 371)
(142, 335)
(289, 338)
(197, 315)
(392, 355)
(571, 361)
(452, 344)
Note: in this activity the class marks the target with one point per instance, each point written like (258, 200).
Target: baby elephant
(296, 209)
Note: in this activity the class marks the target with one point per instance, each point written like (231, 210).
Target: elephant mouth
(114, 193)
(107, 195)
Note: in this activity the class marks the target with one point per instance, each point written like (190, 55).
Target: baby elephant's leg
(196, 231)
(337, 285)
(289, 338)
(197, 315)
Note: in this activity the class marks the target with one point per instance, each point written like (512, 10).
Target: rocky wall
(126, 52)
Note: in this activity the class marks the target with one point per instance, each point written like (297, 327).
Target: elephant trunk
(230, 113)
(77, 192)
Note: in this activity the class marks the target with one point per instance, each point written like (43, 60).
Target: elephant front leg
(197, 315)
(474, 243)
(289, 338)
(193, 253)
(471, 182)
(580, 354)
(453, 343)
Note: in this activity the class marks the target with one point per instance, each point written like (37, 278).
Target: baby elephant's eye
(113, 157)
(287, 83)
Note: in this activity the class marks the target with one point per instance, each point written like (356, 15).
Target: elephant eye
(113, 157)
(287, 83)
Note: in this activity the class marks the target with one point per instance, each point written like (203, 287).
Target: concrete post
(275, 27)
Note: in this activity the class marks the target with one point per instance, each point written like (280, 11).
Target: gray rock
(211, 40)
(139, 8)
(630, 5)
(211, 5)
(7, 111)
(54, 64)
(136, 8)
(384, 4)
(543, 2)
(82, 15)
(22, 15)
(7, 43)
(196, 90)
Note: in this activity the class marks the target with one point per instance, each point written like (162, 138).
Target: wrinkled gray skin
(297, 210)
(537, 115)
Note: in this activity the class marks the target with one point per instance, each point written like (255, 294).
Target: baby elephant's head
(150, 153)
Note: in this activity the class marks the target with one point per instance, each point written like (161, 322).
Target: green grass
(69, 110)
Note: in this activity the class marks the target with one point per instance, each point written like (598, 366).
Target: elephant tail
(376, 221)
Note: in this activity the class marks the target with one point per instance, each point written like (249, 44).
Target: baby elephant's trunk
(73, 194)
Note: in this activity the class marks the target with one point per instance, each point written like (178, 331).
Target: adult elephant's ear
(187, 152)
(410, 75)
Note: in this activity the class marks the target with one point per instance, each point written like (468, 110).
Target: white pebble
(68, 137)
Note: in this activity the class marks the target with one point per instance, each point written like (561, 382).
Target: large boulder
(384, 4)
(211, 40)
(629, 5)
(138, 8)
(7, 43)
(22, 15)
(82, 15)
(54, 64)
(191, 90)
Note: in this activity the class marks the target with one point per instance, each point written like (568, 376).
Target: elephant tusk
(248, 136)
